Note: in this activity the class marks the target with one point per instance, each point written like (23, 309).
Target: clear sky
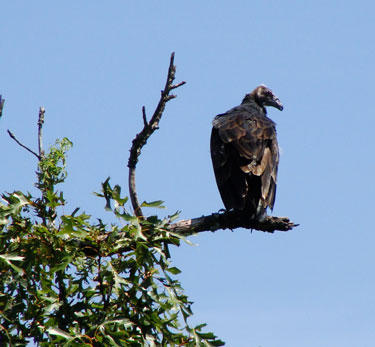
(93, 64)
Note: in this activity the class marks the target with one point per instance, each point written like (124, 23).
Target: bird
(245, 154)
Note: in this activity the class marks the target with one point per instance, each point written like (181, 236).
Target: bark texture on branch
(231, 220)
(148, 129)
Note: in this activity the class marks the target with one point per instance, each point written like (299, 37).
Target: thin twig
(22, 145)
(145, 123)
(148, 129)
(178, 85)
(2, 101)
(42, 111)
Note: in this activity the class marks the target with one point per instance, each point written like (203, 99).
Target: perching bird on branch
(245, 154)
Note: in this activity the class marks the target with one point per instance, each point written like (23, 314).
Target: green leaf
(107, 191)
(116, 194)
(59, 332)
(174, 216)
(84, 283)
(12, 257)
(8, 257)
(157, 203)
(123, 321)
(73, 226)
(52, 307)
(138, 231)
(15, 201)
(174, 270)
(61, 266)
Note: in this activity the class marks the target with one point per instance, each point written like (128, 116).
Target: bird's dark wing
(244, 151)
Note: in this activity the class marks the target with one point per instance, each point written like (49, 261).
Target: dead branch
(148, 129)
(12, 136)
(213, 222)
(230, 220)
(227, 220)
(216, 221)
(2, 101)
(42, 111)
(40, 126)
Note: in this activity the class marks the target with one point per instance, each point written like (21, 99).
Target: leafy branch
(65, 280)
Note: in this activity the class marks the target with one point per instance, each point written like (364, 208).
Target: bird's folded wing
(249, 135)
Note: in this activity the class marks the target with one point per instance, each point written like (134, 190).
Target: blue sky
(93, 65)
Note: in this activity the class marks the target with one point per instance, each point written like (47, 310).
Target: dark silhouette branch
(2, 101)
(149, 127)
(213, 222)
(40, 145)
(231, 220)
(42, 111)
(22, 145)
(144, 116)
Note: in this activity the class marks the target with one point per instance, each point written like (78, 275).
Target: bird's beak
(277, 103)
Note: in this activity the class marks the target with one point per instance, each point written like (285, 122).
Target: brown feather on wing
(245, 154)
(248, 143)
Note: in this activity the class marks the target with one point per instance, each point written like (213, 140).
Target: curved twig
(148, 129)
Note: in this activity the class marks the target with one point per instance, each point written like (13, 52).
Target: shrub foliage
(68, 281)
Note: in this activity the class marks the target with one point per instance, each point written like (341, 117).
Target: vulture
(245, 154)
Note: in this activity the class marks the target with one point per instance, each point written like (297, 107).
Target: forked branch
(213, 222)
(149, 127)
(40, 127)
(13, 137)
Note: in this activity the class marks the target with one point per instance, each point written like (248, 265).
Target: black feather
(245, 154)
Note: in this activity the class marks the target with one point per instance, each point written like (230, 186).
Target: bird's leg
(261, 213)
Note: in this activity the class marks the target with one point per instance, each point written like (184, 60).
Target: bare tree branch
(148, 129)
(22, 145)
(40, 126)
(2, 101)
(42, 111)
(231, 220)
(145, 123)
(213, 222)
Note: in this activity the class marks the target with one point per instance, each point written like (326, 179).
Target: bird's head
(264, 96)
